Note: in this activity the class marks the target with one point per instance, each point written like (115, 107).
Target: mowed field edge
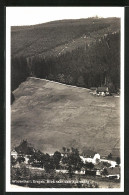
(52, 115)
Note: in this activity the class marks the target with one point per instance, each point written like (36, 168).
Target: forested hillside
(82, 52)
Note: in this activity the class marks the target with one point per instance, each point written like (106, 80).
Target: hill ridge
(74, 86)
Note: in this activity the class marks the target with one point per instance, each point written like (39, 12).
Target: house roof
(102, 89)
(113, 171)
(99, 166)
(93, 88)
(13, 151)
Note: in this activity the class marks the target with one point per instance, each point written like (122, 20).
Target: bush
(20, 173)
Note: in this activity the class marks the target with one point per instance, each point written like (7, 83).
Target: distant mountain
(52, 115)
(50, 38)
(84, 52)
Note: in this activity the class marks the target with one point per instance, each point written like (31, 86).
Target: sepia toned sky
(36, 15)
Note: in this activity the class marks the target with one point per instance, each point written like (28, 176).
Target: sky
(17, 16)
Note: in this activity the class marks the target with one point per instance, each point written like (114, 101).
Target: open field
(51, 115)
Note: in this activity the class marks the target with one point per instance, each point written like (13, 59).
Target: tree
(19, 71)
(49, 165)
(64, 149)
(118, 160)
(68, 150)
(74, 161)
(51, 76)
(25, 148)
(89, 165)
(13, 161)
(20, 159)
(69, 80)
(80, 81)
(37, 159)
(105, 172)
(110, 156)
(61, 78)
(111, 87)
(31, 160)
(23, 172)
(70, 170)
(57, 158)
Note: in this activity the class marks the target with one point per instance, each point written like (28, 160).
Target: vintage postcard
(64, 99)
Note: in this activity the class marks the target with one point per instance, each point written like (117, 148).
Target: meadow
(51, 115)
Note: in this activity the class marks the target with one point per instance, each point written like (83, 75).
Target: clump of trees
(72, 160)
(25, 148)
(36, 157)
(21, 172)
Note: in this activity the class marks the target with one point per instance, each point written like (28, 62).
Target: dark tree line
(95, 64)
(19, 71)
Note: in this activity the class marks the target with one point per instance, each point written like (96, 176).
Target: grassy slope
(52, 115)
(51, 38)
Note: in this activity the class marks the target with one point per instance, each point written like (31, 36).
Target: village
(68, 162)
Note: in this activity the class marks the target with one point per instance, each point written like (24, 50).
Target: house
(98, 172)
(93, 160)
(26, 158)
(103, 91)
(90, 172)
(93, 90)
(111, 162)
(96, 159)
(86, 160)
(81, 172)
(14, 154)
(99, 168)
(113, 173)
(61, 170)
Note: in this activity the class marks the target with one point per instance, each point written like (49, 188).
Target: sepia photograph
(64, 99)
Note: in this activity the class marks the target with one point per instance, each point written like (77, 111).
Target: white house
(93, 160)
(111, 162)
(14, 154)
(26, 159)
(96, 159)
